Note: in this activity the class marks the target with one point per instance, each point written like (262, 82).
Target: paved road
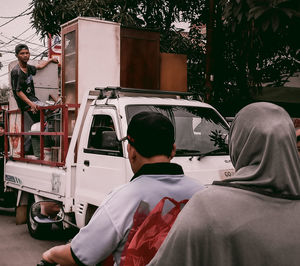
(17, 247)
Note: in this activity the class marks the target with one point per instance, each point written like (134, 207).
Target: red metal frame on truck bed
(64, 143)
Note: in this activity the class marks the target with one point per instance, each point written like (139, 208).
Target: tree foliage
(47, 16)
(254, 41)
(261, 43)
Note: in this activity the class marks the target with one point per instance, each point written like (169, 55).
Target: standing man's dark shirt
(21, 81)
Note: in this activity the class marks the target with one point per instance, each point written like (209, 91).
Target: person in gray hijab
(252, 218)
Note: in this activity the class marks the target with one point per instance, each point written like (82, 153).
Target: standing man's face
(23, 55)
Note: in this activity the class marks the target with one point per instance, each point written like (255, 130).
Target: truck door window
(102, 137)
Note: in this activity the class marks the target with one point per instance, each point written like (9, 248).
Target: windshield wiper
(187, 152)
(223, 150)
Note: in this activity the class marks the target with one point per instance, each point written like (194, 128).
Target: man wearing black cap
(150, 148)
(22, 81)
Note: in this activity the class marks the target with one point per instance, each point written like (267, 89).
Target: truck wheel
(38, 231)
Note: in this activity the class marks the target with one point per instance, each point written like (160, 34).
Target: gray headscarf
(252, 218)
(262, 145)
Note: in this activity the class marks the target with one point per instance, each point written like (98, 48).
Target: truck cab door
(102, 165)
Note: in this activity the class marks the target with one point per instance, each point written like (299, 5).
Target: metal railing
(62, 133)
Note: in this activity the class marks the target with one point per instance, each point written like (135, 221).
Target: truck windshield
(199, 131)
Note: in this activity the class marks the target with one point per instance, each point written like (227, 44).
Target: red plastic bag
(150, 234)
(139, 217)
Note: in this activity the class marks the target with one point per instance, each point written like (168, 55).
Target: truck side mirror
(45, 212)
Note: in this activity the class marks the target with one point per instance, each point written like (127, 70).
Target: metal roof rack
(119, 91)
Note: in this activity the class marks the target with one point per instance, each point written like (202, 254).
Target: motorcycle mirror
(45, 212)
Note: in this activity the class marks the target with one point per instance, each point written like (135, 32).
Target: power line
(28, 41)
(20, 15)
(8, 60)
(31, 37)
(3, 74)
(47, 50)
(12, 52)
(4, 36)
(15, 16)
(11, 40)
(6, 51)
(28, 38)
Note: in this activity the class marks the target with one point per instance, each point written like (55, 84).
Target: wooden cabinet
(140, 59)
(90, 56)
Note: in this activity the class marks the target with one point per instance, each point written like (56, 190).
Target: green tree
(253, 41)
(261, 44)
(47, 16)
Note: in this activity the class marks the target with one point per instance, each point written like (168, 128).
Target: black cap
(151, 134)
(19, 47)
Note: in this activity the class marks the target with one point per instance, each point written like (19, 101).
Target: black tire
(38, 231)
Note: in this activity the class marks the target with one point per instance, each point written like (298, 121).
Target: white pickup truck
(96, 162)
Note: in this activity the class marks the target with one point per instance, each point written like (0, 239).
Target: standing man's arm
(43, 64)
(25, 99)
(60, 255)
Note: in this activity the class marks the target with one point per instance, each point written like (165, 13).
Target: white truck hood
(207, 169)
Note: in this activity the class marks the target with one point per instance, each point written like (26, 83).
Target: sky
(17, 31)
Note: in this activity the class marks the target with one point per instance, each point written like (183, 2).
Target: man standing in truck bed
(150, 148)
(23, 87)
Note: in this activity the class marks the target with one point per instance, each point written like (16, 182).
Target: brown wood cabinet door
(140, 65)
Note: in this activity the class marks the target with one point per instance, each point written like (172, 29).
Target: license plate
(224, 174)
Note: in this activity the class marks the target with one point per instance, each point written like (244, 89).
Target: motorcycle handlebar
(45, 263)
